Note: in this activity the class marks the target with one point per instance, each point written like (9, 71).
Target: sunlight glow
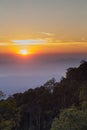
(24, 52)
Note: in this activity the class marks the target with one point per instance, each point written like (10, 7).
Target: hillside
(36, 108)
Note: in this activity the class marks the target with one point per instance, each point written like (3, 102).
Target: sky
(40, 39)
(60, 24)
(18, 74)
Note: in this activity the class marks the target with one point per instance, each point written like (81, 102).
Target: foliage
(9, 115)
(35, 109)
(2, 94)
(71, 119)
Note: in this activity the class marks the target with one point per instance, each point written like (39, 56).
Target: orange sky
(44, 47)
(43, 26)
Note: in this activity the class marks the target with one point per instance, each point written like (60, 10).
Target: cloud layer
(29, 42)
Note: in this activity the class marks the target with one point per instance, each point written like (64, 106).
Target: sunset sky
(43, 26)
(40, 39)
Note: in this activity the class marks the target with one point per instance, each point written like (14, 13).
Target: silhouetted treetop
(78, 74)
(35, 109)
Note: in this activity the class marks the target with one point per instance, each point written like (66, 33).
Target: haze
(40, 39)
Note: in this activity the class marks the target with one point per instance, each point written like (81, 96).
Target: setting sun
(24, 52)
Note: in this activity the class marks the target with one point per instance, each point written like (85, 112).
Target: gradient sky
(56, 29)
(60, 24)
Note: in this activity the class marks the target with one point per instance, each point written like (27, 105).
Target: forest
(52, 106)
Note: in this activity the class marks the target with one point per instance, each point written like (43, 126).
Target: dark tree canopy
(70, 119)
(36, 109)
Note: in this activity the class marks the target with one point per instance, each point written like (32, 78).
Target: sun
(24, 52)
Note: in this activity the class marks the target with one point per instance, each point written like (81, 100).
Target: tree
(50, 84)
(9, 115)
(2, 94)
(71, 119)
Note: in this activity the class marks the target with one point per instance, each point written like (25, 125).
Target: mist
(18, 74)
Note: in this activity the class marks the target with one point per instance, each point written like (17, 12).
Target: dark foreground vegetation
(53, 106)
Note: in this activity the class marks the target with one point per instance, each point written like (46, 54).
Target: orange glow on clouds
(33, 46)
